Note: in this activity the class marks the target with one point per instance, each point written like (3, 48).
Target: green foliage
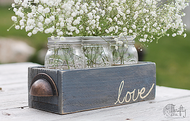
(37, 41)
(171, 55)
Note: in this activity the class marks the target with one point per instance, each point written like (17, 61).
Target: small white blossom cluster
(146, 20)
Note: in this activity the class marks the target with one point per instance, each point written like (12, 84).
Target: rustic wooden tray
(86, 89)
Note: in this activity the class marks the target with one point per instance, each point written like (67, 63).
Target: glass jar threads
(97, 52)
(124, 51)
(64, 54)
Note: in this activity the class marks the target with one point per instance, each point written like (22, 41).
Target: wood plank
(13, 81)
(138, 111)
(14, 73)
(148, 110)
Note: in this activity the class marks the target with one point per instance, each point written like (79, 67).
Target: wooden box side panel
(31, 74)
(104, 87)
(43, 103)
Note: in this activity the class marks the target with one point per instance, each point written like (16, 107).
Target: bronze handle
(43, 86)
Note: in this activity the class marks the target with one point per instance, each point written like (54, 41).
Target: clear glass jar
(124, 52)
(64, 54)
(79, 58)
(97, 52)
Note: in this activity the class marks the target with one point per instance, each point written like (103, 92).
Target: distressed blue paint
(88, 89)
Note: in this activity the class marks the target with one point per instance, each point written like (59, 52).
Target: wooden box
(86, 89)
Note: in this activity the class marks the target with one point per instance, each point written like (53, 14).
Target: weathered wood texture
(13, 78)
(14, 102)
(88, 89)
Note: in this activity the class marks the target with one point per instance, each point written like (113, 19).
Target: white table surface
(14, 102)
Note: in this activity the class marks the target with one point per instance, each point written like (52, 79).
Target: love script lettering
(131, 95)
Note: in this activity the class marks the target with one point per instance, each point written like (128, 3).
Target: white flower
(130, 31)
(90, 16)
(57, 24)
(155, 24)
(145, 36)
(16, 1)
(80, 27)
(81, 12)
(40, 8)
(116, 39)
(17, 27)
(103, 12)
(21, 22)
(119, 42)
(136, 15)
(36, 1)
(14, 18)
(46, 10)
(52, 18)
(73, 14)
(142, 40)
(149, 2)
(134, 26)
(52, 29)
(40, 25)
(128, 11)
(76, 22)
(103, 18)
(87, 28)
(111, 29)
(116, 47)
(136, 4)
(60, 33)
(50, 3)
(19, 13)
(24, 4)
(41, 29)
(153, 13)
(30, 34)
(107, 31)
(125, 45)
(115, 18)
(13, 5)
(30, 22)
(47, 21)
(47, 31)
(77, 31)
(184, 35)
(62, 38)
(15, 10)
(124, 29)
(69, 20)
(109, 19)
(41, 18)
(35, 30)
(62, 24)
(109, 8)
(52, 37)
(174, 34)
(58, 30)
(30, 15)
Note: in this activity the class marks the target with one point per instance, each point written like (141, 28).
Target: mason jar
(97, 52)
(64, 54)
(124, 51)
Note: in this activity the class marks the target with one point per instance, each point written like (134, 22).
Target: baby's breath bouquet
(145, 20)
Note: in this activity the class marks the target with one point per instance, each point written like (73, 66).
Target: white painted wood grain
(13, 102)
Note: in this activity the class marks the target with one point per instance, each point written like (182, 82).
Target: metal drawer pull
(43, 86)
